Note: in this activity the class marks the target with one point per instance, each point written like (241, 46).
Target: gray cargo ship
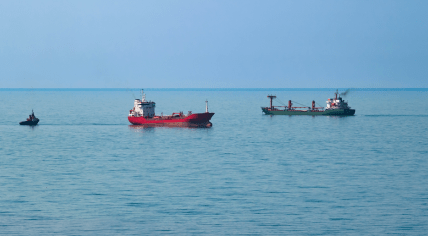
(335, 107)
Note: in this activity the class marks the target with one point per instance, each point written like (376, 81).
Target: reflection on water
(151, 127)
(141, 128)
(341, 117)
(32, 127)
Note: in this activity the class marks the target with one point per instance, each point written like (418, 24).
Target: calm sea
(85, 171)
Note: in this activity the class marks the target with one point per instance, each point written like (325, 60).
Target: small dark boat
(31, 120)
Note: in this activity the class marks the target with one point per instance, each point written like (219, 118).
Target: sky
(213, 44)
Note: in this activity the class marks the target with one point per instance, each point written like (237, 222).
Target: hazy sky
(213, 44)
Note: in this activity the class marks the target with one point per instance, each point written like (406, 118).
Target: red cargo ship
(143, 113)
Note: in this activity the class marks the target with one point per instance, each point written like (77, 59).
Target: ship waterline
(180, 120)
(336, 112)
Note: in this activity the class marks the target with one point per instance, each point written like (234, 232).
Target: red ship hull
(193, 120)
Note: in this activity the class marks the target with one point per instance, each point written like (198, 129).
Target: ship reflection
(341, 117)
(151, 128)
(32, 127)
(141, 128)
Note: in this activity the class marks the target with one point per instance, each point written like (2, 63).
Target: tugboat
(143, 113)
(31, 120)
(335, 107)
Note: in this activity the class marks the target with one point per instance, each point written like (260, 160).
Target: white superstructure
(337, 103)
(142, 107)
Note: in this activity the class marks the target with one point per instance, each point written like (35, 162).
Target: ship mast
(206, 106)
(271, 98)
(143, 96)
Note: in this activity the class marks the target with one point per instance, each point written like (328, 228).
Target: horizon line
(212, 89)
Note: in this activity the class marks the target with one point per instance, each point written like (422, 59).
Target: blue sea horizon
(85, 170)
(213, 89)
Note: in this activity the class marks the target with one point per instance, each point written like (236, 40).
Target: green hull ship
(335, 107)
(337, 112)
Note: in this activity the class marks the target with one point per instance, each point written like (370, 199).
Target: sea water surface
(85, 171)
